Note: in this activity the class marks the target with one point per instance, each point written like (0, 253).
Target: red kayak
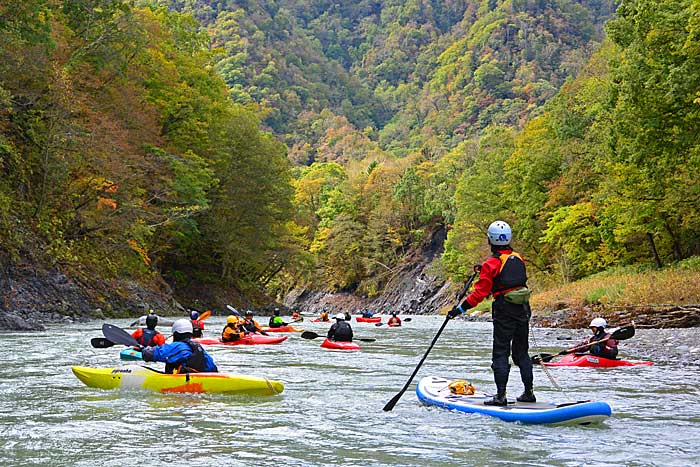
(373, 319)
(336, 345)
(594, 362)
(250, 339)
(320, 321)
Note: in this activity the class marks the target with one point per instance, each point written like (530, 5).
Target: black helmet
(249, 313)
(151, 321)
(277, 311)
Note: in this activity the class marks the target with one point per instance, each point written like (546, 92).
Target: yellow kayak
(141, 377)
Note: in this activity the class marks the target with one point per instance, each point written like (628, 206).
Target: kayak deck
(592, 361)
(130, 354)
(433, 390)
(338, 345)
(250, 339)
(141, 377)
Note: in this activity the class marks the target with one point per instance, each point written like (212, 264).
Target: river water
(330, 413)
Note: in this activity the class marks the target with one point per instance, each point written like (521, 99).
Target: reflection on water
(331, 410)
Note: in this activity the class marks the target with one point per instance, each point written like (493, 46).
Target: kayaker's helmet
(277, 311)
(231, 319)
(499, 233)
(340, 316)
(249, 314)
(598, 323)
(182, 328)
(194, 315)
(151, 321)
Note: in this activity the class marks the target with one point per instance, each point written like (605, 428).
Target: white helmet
(182, 326)
(598, 323)
(499, 233)
(340, 316)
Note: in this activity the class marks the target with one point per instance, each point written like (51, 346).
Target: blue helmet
(194, 315)
(499, 233)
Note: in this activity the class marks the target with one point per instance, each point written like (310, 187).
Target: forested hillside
(123, 156)
(259, 145)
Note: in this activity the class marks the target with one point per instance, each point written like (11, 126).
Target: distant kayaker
(367, 313)
(394, 320)
(232, 330)
(276, 320)
(605, 349)
(296, 316)
(148, 336)
(348, 317)
(340, 331)
(324, 316)
(183, 355)
(197, 324)
(250, 326)
(503, 275)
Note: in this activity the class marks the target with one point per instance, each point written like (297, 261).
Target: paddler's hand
(453, 313)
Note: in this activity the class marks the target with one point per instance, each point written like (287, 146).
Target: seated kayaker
(250, 326)
(348, 317)
(183, 355)
(605, 349)
(232, 331)
(340, 331)
(324, 316)
(197, 324)
(394, 320)
(367, 313)
(276, 320)
(296, 316)
(148, 336)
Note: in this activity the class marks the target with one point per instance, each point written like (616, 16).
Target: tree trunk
(653, 250)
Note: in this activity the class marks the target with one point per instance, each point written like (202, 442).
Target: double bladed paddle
(313, 335)
(405, 320)
(620, 334)
(113, 335)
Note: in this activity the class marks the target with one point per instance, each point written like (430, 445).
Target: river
(330, 413)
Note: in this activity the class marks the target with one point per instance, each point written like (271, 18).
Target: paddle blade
(390, 405)
(365, 339)
(118, 335)
(539, 358)
(406, 320)
(101, 342)
(205, 315)
(623, 333)
(379, 324)
(233, 310)
(309, 335)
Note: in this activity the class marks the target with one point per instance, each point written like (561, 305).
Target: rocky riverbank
(31, 298)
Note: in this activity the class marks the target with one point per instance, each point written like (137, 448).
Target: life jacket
(232, 335)
(146, 338)
(250, 327)
(511, 275)
(195, 363)
(341, 332)
(607, 349)
(276, 322)
(197, 328)
(394, 320)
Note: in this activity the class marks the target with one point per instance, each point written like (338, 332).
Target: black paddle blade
(390, 405)
(379, 324)
(365, 339)
(101, 342)
(407, 319)
(118, 335)
(309, 335)
(539, 358)
(623, 333)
